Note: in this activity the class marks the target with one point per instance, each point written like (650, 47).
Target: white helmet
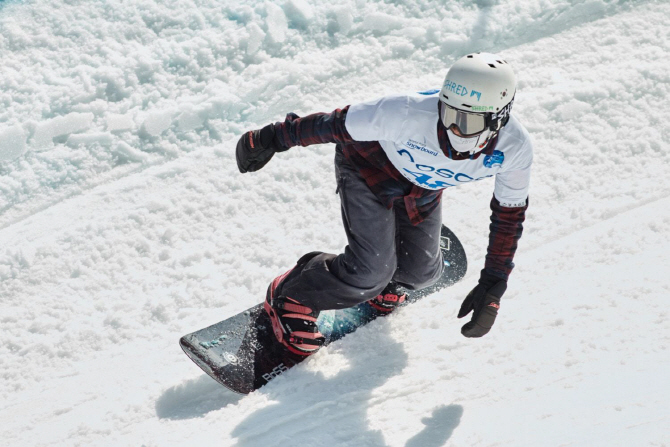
(476, 98)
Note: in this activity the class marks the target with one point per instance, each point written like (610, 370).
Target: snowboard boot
(293, 324)
(390, 298)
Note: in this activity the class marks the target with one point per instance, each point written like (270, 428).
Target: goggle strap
(496, 121)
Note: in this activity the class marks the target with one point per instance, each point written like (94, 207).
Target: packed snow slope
(125, 224)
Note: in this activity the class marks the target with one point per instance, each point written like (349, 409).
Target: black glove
(484, 299)
(255, 149)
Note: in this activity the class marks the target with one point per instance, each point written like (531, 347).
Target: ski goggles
(472, 124)
(469, 124)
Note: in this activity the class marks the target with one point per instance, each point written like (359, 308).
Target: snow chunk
(12, 143)
(380, 22)
(572, 110)
(276, 23)
(128, 154)
(256, 36)
(157, 122)
(61, 126)
(344, 18)
(299, 13)
(402, 49)
(190, 119)
(101, 138)
(118, 123)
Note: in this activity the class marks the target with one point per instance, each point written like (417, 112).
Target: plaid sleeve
(317, 128)
(505, 231)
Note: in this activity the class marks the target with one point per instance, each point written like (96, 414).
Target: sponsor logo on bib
(496, 159)
(415, 145)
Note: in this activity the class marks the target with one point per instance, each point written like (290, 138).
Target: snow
(46, 131)
(125, 224)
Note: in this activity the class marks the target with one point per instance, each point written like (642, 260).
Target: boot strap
(282, 303)
(295, 339)
(393, 299)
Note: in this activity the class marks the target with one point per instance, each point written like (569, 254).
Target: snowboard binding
(293, 324)
(389, 299)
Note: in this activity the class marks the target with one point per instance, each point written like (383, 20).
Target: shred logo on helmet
(461, 90)
(482, 109)
(476, 99)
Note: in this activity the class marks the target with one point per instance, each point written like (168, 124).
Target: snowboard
(242, 354)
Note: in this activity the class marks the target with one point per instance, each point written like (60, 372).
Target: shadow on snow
(309, 407)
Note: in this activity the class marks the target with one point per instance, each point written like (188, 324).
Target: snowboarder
(394, 157)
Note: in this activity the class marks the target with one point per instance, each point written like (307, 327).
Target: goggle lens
(469, 124)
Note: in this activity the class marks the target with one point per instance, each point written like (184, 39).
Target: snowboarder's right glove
(484, 300)
(256, 147)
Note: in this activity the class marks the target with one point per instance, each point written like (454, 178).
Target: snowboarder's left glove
(255, 149)
(484, 300)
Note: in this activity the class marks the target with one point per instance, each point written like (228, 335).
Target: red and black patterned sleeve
(317, 128)
(505, 231)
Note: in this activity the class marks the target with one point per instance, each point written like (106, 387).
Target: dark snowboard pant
(383, 246)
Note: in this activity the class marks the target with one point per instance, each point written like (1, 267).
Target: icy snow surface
(124, 223)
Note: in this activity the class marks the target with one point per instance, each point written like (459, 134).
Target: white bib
(406, 128)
